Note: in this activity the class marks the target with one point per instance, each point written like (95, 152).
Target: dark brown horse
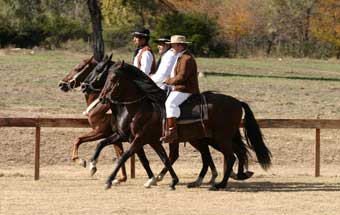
(96, 80)
(99, 121)
(127, 86)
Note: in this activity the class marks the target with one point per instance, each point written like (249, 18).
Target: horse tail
(254, 138)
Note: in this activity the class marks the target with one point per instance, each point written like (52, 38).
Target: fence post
(132, 166)
(317, 152)
(37, 152)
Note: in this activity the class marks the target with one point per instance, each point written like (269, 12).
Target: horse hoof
(193, 185)
(82, 163)
(159, 177)
(150, 182)
(249, 174)
(213, 188)
(216, 187)
(233, 175)
(107, 186)
(244, 176)
(93, 171)
(122, 179)
(172, 188)
(116, 182)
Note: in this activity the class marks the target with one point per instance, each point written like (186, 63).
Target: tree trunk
(98, 42)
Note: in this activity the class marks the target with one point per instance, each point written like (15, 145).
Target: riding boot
(171, 133)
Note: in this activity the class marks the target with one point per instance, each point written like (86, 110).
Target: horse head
(77, 74)
(96, 79)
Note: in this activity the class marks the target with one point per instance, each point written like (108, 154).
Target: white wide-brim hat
(178, 39)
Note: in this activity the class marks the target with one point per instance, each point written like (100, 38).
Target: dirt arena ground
(289, 187)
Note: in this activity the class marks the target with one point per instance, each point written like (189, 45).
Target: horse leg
(93, 135)
(162, 154)
(145, 162)
(203, 148)
(116, 140)
(119, 151)
(241, 152)
(135, 146)
(173, 156)
(227, 151)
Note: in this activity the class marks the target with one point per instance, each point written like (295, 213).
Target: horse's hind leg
(203, 148)
(241, 152)
(227, 151)
(162, 154)
(173, 156)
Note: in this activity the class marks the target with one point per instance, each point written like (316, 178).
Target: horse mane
(142, 81)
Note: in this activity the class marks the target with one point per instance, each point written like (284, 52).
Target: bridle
(113, 101)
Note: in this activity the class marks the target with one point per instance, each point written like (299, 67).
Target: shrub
(198, 28)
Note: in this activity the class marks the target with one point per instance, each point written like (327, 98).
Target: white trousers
(173, 101)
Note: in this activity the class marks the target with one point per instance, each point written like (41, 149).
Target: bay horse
(99, 121)
(145, 103)
(96, 80)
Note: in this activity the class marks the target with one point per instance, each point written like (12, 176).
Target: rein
(128, 102)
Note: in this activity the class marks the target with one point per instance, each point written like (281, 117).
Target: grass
(287, 88)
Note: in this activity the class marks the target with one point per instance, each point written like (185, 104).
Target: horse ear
(110, 58)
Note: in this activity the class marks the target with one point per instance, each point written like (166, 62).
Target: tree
(98, 42)
(325, 24)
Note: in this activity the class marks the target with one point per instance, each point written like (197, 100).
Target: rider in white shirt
(166, 62)
(143, 58)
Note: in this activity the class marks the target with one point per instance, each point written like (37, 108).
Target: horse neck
(91, 97)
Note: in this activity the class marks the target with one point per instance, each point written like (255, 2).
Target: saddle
(194, 109)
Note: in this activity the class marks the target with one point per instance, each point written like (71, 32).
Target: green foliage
(28, 23)
(197, 27)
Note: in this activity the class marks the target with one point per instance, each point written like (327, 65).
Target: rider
(143, 57)
(165, 63)
(184, 82)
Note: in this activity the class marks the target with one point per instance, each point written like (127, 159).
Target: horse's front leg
(158, 147)
(145, 162)
(91, 136)
(114, 139)
(134, 147)
(173, 156)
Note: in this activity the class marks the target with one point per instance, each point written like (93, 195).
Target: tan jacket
(185, 79)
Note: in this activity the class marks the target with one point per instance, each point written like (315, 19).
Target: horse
(96, 80)
(145, 103)
(99, 121)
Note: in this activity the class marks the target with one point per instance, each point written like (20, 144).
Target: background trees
(299, 28)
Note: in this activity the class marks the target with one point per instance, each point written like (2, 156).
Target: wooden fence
(38, 123)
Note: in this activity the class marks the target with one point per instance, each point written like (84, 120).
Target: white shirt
(172, 74)
(163, 72)
(146, 61)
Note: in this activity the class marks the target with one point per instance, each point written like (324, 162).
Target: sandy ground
(289, 187)
(68, 189)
